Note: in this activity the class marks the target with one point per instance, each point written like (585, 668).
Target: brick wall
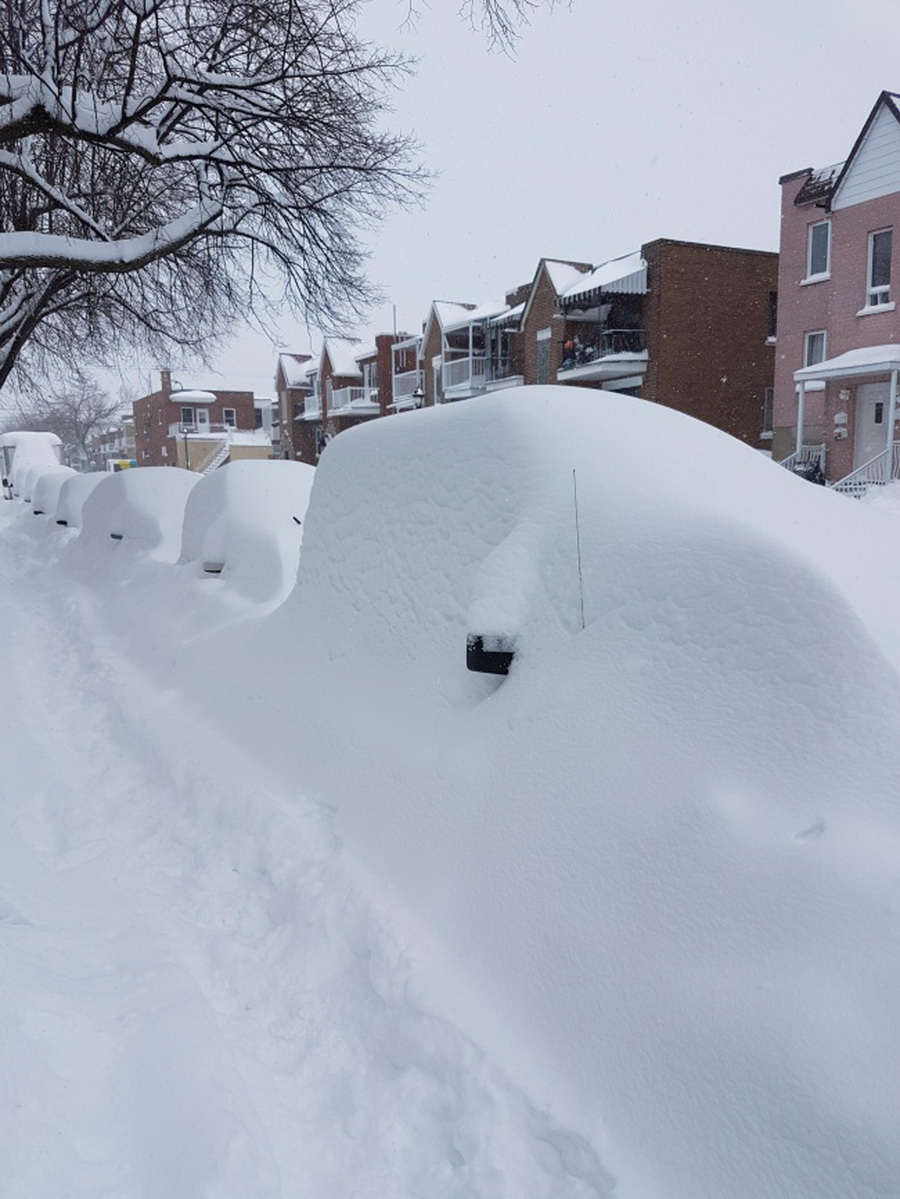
(706, 320)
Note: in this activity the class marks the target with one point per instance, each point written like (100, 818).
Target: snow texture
(622, 923)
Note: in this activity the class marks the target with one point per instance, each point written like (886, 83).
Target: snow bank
(654, 870)
(653, 873)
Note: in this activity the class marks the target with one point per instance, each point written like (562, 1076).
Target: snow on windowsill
(870, 309)
(815, 279)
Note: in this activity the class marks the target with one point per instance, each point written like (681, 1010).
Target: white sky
(611, 126)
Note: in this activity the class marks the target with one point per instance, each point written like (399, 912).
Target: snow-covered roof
(367, 351)
(449, 312)
(477, 316)
(625, 275)
(294, 368)
(867, 360)
(192, 396)
(563, 275)
(510, 315)
(342, 355)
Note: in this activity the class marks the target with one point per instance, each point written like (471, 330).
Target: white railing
(464, 373)
(884, 468)
(813, 455)
(201, 431)
(406, 384)
(312, 406)
(345, 399)
(214, 460)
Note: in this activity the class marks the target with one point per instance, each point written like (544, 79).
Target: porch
(876, 457)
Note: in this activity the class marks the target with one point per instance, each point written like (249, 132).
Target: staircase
(884, 468)
(213, 461)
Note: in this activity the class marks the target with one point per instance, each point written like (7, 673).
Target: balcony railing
(312, 407)
(350, 399)
(214, 431)
(406, 384)
(464, 374)
(503, 367)
(605, 343)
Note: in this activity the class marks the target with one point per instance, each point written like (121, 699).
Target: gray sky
(612, 125)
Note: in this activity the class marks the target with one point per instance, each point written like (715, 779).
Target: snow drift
(653, 873)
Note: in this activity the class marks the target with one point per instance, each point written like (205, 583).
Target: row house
(684, 324)
(838, 350)
(350, 384)
(292, 389)
(196, 430)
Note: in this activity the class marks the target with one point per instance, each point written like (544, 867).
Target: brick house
(683, 324)
(196, 429)
(838, 348)
(292, 389)
(349, 385)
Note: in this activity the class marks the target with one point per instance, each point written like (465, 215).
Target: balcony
(312, 408)
(209, 432)
(604, 355)
(463, 377)
(350, 401)
(405, 386)
(504, 370)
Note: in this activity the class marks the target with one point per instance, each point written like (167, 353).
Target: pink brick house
(838, 340)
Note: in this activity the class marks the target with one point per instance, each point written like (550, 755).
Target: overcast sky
(612, 125)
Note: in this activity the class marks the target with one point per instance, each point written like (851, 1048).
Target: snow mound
(72, 495)
(654, 870)
(46, 490)
(141, 510)
(244, 523)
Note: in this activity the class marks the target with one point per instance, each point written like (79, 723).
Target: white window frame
(229, 417)
(189, 419)
(880, 296)
(807, 341)
(817, 276)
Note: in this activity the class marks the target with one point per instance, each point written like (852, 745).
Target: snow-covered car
(23, 449)
(244, 523)
(141, 510)
(45, 495)
(72, 495)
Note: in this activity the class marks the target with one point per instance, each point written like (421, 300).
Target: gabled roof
(823, 186)
(561, 275)
(341, 353)
(294, 368)
(444, 312)
(478, 315)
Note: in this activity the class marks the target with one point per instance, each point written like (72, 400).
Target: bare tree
(75, 411)
(164, 164)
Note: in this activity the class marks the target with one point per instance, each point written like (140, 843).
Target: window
(768, 404)
(187, 416)
(818, 250)
(229, 418)
(773, 315)
(543, 356)
(879, 270)
(814, 347)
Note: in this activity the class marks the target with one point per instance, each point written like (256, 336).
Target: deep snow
(300, 870)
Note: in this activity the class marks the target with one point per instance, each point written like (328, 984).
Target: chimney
(165, 379)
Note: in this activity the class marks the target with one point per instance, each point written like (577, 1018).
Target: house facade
(838, 329)
(292, 389)
(196, 430)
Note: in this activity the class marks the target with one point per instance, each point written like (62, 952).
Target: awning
(868, 360)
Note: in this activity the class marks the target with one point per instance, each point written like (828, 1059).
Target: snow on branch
(174, 136)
